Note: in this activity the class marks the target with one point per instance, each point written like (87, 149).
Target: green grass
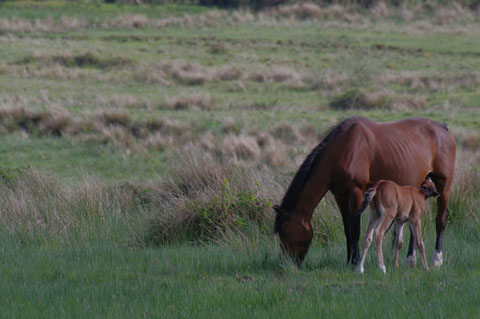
(108, 280)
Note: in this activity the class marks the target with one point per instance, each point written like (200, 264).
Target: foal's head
(428, 188)
(295, 235)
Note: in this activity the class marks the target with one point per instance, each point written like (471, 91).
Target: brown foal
(388, 202)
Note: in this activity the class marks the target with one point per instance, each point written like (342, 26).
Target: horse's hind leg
(441, 222)
(443, 184)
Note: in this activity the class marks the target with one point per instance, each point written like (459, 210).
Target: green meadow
(142, 147)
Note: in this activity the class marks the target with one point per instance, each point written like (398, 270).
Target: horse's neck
(313, 191)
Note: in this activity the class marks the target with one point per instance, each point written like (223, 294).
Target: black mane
(298, 182)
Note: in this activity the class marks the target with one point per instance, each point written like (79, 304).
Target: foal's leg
(398, 240)
(374, 219)
(379, 233)
(415, 226)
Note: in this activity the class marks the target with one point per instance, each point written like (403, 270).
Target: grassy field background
(143, 147)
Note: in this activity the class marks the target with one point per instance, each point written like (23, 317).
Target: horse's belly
(403, 174)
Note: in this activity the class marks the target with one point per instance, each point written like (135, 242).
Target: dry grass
(380, 10)
(123, 101)
(126, 21)
(467, 138)
(381, 99)
(88, 59)
(433, 82)
(199, 101)
(39, 207)
(452, 13)
(235, 144)
(188, 73)
(278, 74)
(205, 199)
(241, 147)
(300, 11)
(55, 71)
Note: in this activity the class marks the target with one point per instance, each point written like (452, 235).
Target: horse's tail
(368, 196)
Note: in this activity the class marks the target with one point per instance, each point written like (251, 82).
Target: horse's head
(428, 188)
(295, 234)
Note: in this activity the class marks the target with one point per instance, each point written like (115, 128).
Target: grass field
(143, 147)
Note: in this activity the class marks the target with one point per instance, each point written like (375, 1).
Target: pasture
(142, 148)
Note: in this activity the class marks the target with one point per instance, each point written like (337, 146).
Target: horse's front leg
(354, 202)
(343, 207)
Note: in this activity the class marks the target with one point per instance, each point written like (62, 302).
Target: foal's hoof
(382, 268)
(437, 259)
(360, 269)
(411, 261)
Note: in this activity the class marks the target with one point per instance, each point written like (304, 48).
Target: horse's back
(403, 151)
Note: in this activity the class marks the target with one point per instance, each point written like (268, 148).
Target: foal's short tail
(367, 196)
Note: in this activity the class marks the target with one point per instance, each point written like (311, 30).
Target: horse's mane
(298, 182)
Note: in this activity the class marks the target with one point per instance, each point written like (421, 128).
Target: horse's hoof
(437, 259)
(411, 261)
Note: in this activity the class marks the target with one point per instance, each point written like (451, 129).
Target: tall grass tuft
(205, 200)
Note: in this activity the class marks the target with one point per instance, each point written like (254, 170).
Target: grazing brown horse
(353, 153)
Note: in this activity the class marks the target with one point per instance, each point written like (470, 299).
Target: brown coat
(390, 202)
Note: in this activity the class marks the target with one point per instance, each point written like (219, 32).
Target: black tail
(367, 198)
